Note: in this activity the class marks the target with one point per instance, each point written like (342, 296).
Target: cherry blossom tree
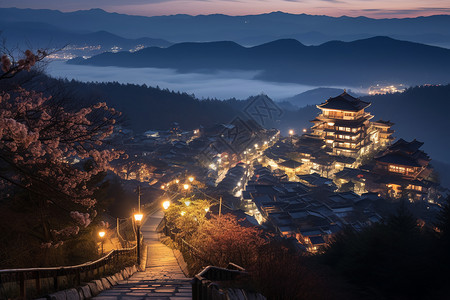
(53, 153)
(223, 240)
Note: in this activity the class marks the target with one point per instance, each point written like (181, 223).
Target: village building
(403, 170)
(346, 128)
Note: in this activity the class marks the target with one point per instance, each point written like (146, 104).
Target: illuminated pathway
(162, 279)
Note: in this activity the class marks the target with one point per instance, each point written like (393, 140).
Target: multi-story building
(346, 128)
(403, 170)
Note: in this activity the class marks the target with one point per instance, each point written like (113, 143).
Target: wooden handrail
(22, 275)
(87, 264)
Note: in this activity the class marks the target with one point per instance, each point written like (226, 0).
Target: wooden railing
(202, 287)
(185, 247)
(28, 282)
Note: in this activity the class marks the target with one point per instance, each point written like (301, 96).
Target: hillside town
(344, 171)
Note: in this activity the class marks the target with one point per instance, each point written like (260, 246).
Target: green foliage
(187, 214)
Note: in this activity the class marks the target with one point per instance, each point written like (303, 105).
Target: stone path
(162, 279)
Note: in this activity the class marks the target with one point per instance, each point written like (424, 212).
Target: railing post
(38, 283)
(22, 285)
(78, 276)
(55, 280)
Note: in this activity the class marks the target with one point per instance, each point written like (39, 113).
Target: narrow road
(162, 279)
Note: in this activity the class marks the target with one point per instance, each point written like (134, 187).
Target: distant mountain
(359, 63)
(246, 30)
(314, 96)
(43, 35)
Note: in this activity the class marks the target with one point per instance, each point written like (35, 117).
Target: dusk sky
(370, 8)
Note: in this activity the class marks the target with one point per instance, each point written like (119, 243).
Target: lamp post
(138, 219)
(101, 234)
(291, 133)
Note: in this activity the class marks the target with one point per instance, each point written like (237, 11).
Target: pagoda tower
(345, 126)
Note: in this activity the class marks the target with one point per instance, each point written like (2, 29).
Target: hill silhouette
(362, 62)
(246, 30)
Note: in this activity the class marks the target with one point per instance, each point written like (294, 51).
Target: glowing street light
(256, 146)
(166, 204)
(183, 213)
(291, 132)
(191, 179)
(187, 202)
(102, 234)
(138, 219)
(177, 181)
(304, 129)
(186, 186)
(207, 209)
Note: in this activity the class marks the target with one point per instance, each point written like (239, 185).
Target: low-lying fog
(220, 85)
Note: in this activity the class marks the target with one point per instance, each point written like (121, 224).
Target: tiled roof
(398, 159)
(345, 102)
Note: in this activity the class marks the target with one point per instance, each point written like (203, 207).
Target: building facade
(346, 128)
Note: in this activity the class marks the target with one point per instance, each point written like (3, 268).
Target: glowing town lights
(177, 181)
(138, 217)
(166, 204)
(163, 187)
(265, 142)
(291, 132)
(101, 234)
(304, 129)
(219, 160)
(196, 131)
(245, 152)
(239, 184)
(186, 186)
(330, 124)
(183, 213)
(191, 179)
(212, 166)
(187, 202)
(207, 209)
(256, 146)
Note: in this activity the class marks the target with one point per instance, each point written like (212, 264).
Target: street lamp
(166, 204)
(291, 132)
(191, 179)
(101, 234)
(138, 219)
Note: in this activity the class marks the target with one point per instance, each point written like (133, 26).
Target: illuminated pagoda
(346, 128)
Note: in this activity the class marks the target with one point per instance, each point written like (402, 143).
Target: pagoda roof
(291, 164)
(385, 123)
(405, 146)
(398, 159)
(344, 102)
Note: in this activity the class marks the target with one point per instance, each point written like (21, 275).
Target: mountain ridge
(242, 29)
(363, 62)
